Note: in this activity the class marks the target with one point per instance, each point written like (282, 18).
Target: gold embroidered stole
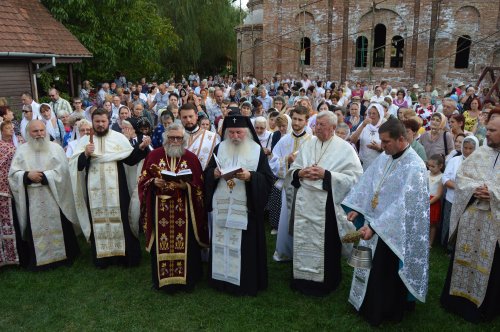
(46, 228)
(202, 145)
(171, 230)
(104, 200)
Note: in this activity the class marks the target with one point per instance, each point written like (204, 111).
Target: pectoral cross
(375, 201)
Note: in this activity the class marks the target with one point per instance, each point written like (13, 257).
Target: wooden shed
(30, 39)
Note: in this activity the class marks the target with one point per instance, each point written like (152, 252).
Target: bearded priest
(173, 213)
(44, 202)
(237, 182)
(99, 181)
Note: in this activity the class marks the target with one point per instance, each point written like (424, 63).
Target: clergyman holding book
(237, 183)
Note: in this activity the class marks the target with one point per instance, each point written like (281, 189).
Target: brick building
(407, 41)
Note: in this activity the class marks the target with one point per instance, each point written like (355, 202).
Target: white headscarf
(466, 140)
(50, 125)
(380, 110)
(264, 138)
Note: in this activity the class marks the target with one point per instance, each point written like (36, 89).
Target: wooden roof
(28, 27)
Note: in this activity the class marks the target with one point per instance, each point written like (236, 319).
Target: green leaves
(150, 37)
(127, 36)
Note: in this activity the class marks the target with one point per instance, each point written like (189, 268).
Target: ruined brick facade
(276, 34)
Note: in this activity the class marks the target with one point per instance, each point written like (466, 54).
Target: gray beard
(39, 144)
(174, 151)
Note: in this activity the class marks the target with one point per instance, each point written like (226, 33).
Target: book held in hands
(183, 175)
(227, 173)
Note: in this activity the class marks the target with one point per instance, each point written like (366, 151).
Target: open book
(227, 173)
(185, 175)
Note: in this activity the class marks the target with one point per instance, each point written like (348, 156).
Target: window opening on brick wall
(463, 52)
(361, 51)
(379, 45)
(397, 51)
(305, 51)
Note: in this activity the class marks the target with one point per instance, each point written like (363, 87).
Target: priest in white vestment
(472, 287)
(325, 170)
(45, 207)
(100, 186)
(393, 197)
(284, 154)
(201, 142)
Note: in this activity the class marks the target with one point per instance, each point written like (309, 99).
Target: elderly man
(472, 286)
(173, 213)
(238, 254)
(59, 104)
(115, 108)
(161, 98)
(283, 156)
(215, 110)
(393, 197)
(100, 186)
(322, 174)
(379, 95)
(265, 99)
(27, 100)
(201, 142)
(45, 207)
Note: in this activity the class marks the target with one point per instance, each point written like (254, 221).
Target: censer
(361, 256)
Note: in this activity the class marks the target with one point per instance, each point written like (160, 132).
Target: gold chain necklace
(387, 169)
(316, 162)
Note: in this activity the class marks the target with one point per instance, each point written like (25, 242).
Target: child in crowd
(435, 164)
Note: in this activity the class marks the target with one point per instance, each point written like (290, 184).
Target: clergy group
(203, 198)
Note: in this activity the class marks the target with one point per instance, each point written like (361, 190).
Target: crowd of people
(199, 167)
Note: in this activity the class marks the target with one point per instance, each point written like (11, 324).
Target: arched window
(305, 51)
(397, 51)
(361, 51)
(463, 52)
(379, 46)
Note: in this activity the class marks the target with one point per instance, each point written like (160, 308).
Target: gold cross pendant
(375, 201)
(231, 184)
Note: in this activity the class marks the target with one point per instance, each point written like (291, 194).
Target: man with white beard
(44, 202)
(236, 199)
(175, 208)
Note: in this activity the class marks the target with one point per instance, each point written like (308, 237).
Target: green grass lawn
(82, 297)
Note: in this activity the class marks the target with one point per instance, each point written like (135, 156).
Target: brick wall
(285, 23)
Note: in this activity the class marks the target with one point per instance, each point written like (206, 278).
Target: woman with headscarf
(123, 114)
(53, 126)
(283, 125)
(469, 144)
(82, 128)
(263, 134)
(436, 140)
(367, 135)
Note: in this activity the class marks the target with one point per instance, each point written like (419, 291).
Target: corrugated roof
(27, 26)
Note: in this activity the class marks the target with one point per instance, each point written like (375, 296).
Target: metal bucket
(361, 257)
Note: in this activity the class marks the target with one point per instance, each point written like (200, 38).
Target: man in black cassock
(103, 203)
(238, 262)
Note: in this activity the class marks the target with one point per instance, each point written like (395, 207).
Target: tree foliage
(150, 37)
(126, 35)
(206, 28)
